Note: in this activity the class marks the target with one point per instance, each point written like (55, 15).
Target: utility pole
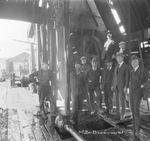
(32, 57)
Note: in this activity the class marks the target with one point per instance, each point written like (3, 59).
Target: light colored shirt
(121, 64)
(107, 43)
(109, 68)
(121, 50)
(94, 68)
(135, 69)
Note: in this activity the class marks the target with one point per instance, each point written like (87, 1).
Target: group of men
(91, 81)
(116, 76)
(126, 72)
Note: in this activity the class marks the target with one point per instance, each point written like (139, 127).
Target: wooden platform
(113, 122)
(18, 123)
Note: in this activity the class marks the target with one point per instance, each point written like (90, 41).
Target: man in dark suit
(139, 76)
(120, 84)
(44, 76)
(123, 49)
(106, 82)
(109, 49)
(93, 80)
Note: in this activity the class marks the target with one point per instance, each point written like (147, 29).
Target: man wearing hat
(123, 49)
(139, 76)
(44, 76)
(93, 80)
(79, 96)
(106, 82)
(122, 46)
(120, 85)
(85, 67)
(109, 49)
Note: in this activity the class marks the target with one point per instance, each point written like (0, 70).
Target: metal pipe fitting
(65, 126)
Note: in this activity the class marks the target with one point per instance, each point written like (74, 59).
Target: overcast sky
(10, 30)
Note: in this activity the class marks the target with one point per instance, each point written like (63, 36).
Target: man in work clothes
(106, 83)
(93, 79)
(79, 97)
(85, 67)
(120, 85)
(44, 77)
(139, 76)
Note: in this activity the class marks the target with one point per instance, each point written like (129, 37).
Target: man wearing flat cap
(123, 49)
(122, 46)
(120, 85)
(139, 76)
(106, 82)
(79, 96)
(44, 76)
(85, 67)
(93, 80)
(109, 49)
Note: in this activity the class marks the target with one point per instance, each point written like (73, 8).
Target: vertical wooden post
(67, 48)
(39, 46)
(49, 29)
(52, 46)
(43, 34)
(44, 42)
(81, 30)
(130, 49)
(32, 57)
(140, 51)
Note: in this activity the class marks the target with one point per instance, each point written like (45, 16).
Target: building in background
(2, 66)
(18, 64)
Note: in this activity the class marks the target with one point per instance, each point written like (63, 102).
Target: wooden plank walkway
(18, 123)
(17, 120)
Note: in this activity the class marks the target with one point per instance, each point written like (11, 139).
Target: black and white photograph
(74, 70)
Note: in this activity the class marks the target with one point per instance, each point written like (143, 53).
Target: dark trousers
(77, 104)
(120, 101)
(135, 107)
(92, 97)
(45, 91)
(34, 88)
(108, 97)
(86, 95)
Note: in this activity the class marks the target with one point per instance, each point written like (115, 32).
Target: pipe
(73, 133)
(65, 126)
